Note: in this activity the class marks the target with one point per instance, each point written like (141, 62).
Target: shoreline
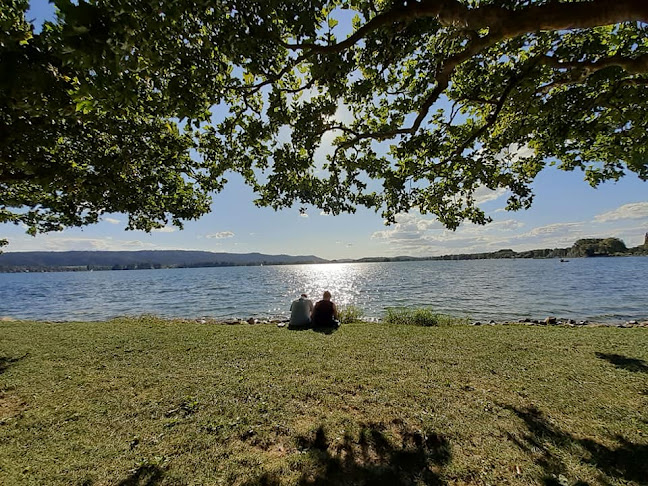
(283, 321)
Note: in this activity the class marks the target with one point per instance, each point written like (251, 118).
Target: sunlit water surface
(601, 289)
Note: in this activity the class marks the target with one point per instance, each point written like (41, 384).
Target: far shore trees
(145, 107)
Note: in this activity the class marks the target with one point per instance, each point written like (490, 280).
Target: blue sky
(565, 209)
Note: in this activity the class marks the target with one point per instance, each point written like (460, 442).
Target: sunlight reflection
(341, 279)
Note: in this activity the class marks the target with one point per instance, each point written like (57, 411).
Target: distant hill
(50, 261)
(589, 247)
(133, 260)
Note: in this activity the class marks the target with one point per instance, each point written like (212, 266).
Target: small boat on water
(562, 260)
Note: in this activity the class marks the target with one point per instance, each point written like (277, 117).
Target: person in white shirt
(300, 312)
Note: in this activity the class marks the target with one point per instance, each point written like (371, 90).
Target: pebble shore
(548, 321)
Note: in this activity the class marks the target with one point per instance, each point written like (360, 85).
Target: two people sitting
(323, 314)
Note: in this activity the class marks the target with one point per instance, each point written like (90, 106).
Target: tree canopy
(145, 107)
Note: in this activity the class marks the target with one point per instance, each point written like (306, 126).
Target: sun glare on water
(341, 279)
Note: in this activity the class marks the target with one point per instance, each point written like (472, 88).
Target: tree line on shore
(148, 260)
(586, 247)
(43, 261)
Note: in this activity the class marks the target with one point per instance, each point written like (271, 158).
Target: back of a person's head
(327, 295)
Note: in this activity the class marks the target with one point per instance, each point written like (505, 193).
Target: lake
(597, 289)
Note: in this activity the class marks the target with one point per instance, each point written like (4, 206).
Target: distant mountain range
(138, 260)
(50, 261)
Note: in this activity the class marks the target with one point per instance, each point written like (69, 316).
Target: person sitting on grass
(300, 312)
(325, 313)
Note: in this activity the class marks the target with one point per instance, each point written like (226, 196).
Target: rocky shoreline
(282, 322)
(554, 321)
(548, 321)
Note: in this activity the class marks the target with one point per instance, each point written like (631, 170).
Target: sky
(565, 209)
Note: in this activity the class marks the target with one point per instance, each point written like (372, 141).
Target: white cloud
(484, 194)
(417, 235)
(165, 229)
(507, 225)
(557, 235)
(517, 152)
(408, 226)
(627, 211)
(112, 220)
(559, 229)
(220, 235)
(63, 243)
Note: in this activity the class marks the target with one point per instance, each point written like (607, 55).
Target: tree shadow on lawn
(623, 362)
(545, 441)
(6, 362)
(372, 458)
(147, 475)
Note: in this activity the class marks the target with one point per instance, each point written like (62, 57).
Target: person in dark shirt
(325, 313)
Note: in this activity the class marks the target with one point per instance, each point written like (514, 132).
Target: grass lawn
(147, 401)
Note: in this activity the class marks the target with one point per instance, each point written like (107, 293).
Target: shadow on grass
(328, 330)
(298, 328)
(6, 362)
(623, 362)
(148, 475)
(545, 442)
(378, 455)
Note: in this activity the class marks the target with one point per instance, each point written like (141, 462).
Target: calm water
(601, 289)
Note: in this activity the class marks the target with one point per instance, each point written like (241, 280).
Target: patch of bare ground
(11, 407)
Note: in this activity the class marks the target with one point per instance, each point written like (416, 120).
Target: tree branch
(443, 80)
(492, 117)
(633, 65)
(507, 23)
(579, 72)
(502, 23)
(554, 15)
(276, 76)
(400, 12)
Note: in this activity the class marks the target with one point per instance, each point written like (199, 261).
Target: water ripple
(604, 289)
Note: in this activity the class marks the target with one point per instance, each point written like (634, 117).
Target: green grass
(147, 401)
(420, 316)
(350, 313)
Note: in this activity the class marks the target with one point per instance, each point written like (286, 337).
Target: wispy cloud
(220, 235)
(627, 211)
(555, 229)
(165, 229)
(112, 220)
(63, 243)
(484, 194)
(415, 234)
